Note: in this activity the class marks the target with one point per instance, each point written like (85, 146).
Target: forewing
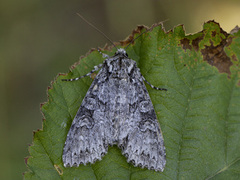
(140, 136)
(90, 132)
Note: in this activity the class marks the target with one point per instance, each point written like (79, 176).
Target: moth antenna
(90, 24)
(136, 38)
(142, 34)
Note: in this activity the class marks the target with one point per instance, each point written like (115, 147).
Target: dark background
(39, 39)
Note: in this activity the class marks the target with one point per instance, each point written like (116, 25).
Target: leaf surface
(199, 114)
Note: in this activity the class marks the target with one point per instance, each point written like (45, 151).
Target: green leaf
(199, 114)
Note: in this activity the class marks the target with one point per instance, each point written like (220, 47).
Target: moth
(117, 109)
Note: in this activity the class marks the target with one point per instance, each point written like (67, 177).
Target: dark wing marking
(90, 132)
(140, 136)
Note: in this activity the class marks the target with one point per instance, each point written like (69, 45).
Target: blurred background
(39, 39)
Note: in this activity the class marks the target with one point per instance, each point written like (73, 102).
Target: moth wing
(140, 136)
(89, 134)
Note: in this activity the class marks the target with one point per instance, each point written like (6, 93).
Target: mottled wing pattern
(140, 136)
(88, 137)
(117, 109)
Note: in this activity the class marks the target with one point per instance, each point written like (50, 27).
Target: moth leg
(103, 55)
(152, 86)
(88, 74)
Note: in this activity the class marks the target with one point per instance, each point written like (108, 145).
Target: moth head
(121, 52)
